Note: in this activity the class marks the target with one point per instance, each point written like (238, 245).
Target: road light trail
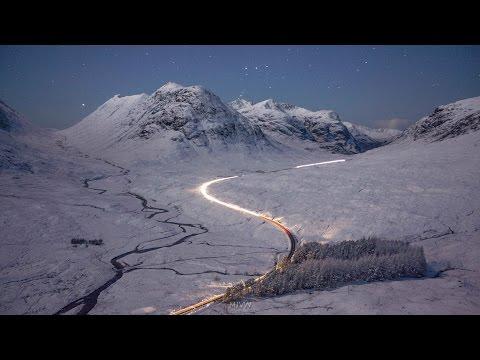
(203, 188)
(320, 163)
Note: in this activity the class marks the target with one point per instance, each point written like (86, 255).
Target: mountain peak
(267, 104)
(328, 114)
(240, 103)
(176, 118)
(127, 97)
(170, 86)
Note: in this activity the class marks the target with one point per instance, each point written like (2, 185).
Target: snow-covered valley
(133, 182)
(425, 194)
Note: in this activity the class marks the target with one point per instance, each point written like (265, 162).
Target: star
(83, 105)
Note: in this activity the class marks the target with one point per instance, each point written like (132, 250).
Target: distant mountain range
(189, 119)
(369, 138)
(285, 122)
(180, 121)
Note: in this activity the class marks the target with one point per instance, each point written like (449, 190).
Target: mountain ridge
(446, 121)
(173, 119)
(322, 127)
(191, 119)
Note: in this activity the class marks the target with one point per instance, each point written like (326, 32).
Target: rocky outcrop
(447, 121)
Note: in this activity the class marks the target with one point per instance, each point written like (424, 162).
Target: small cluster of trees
(81, 241)
(349, 250)
(326, 266)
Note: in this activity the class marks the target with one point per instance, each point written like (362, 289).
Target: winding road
(204, 191)
(88, 302)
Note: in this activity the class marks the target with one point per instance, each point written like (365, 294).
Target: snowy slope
(13, 128)
(447, 121)
(173, 120)
(11, 120)
(25, 147)
(12, 154)
(101, 129)
(285, 122)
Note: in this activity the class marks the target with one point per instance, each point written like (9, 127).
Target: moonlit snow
(129, 174)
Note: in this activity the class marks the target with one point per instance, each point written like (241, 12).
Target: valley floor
(166, 247)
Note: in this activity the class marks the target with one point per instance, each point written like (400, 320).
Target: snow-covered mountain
(175, 118)
(283, 121)
(369, 138)
(185, 120)
(177, 121)
(447, 121)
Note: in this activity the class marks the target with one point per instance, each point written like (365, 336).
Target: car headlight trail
(203, 189)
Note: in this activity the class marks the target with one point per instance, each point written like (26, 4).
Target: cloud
(395, 123)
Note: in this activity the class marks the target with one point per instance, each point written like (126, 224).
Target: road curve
(293, 240)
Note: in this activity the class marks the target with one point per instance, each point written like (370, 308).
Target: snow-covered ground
(165, 246)
(424, 194)
(42, 271)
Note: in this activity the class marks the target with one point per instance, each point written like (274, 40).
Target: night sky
(56, 86)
